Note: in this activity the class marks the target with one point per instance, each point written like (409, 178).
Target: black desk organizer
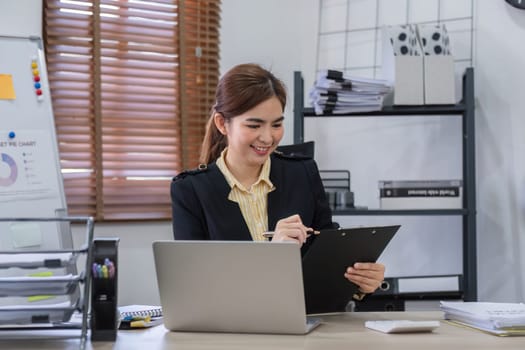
(104, 312)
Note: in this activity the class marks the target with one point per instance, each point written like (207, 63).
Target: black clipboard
(325, 262)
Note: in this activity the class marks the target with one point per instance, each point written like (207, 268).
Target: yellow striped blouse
(253, 201)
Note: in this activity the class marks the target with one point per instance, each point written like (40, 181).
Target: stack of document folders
(503, 319)
(336, 93)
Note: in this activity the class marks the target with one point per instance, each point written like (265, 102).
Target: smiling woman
(243, 188)
(254, 189)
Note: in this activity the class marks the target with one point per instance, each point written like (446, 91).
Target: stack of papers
(496, 318)
(336, 93)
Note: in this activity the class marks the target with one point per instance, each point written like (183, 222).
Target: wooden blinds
(132, 83)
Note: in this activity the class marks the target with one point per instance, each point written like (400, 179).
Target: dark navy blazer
(202, 211)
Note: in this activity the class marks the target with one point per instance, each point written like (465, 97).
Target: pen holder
(104, 272)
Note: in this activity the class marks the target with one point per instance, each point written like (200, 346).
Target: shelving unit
(465, 110)
(41, 289)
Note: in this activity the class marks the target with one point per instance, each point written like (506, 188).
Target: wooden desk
(340, 331)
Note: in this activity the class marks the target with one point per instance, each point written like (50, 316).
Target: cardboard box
(404, 69)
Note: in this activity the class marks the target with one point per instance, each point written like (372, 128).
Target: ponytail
(213, 144)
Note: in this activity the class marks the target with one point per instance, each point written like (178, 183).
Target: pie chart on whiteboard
(8, 170)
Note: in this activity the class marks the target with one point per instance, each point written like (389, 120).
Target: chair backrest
(305, 149)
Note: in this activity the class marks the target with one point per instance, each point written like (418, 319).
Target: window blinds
(132, 83)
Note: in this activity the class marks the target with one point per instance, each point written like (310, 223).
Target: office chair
(305, 149)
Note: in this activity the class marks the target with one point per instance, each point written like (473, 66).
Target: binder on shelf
(435, 284)
(421, 194)
(445, 285)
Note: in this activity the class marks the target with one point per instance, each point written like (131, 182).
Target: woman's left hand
(368, 276)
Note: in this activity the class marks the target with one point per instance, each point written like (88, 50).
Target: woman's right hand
(290, 229)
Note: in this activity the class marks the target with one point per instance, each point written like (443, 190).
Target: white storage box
(403, 64)
(438, 65)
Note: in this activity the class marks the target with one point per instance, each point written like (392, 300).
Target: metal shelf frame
(463, 109)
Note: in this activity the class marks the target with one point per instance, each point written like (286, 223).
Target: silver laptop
(231, 286)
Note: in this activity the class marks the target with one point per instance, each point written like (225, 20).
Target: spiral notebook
(140, 311)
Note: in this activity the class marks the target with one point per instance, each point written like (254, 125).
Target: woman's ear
(220, 123)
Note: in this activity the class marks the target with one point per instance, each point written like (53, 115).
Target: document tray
(27, 286)
(332, 252)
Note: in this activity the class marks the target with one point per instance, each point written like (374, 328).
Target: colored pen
(95, 270)
(269, 234)
(111, 269)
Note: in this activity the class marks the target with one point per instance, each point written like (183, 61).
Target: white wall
(21, 18)
(281, 34)
(500, 147)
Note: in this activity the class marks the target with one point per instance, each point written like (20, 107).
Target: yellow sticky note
(7, 89)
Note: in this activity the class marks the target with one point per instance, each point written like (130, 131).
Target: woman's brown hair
(242, 88)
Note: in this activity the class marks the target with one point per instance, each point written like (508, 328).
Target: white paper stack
(336, 93)
(496, 318)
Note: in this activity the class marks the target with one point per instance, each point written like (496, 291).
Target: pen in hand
(269, 234)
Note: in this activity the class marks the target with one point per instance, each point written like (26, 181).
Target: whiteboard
(31, 182)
